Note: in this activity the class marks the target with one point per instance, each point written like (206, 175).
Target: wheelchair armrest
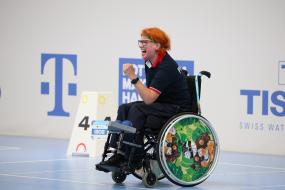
(117, 127)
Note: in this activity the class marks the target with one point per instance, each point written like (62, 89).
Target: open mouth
(143, 51)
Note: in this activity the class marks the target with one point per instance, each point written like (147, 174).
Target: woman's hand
(129, 70)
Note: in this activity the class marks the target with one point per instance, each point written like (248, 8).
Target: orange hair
(158, 36)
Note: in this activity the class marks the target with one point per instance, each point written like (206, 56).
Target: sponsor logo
(260, 104)
(272, 102)
(58, 60)
(281, 73)
(127, 91)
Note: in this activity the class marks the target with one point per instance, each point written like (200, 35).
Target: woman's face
(148, 48)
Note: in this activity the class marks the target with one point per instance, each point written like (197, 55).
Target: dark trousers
(137, 113)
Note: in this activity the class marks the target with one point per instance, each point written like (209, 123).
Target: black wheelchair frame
(185, 150)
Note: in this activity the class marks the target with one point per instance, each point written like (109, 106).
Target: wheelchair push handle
(206, 73)
(185, 72)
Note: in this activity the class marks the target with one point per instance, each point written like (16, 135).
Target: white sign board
(90, 128)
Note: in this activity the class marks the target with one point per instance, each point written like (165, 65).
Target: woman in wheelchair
(166, 94)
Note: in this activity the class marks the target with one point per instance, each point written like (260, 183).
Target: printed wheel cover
(189, 150)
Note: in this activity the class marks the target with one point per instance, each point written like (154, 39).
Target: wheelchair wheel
(118, 177)
(149, 179)
(188, 149)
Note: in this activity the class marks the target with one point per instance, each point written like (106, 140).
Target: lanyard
(197, 92)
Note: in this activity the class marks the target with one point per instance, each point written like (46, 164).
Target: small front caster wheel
(118, 177)
(149, 179)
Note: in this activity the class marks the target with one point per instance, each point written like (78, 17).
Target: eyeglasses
(143, 42)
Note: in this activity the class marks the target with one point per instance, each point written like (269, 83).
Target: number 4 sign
(84, 123)
(90, 128)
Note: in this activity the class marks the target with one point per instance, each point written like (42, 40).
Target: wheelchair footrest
(118, 127)
(106, 168)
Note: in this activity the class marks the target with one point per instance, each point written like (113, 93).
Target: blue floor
(41, 164)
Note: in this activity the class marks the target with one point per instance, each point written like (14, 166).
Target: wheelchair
(185, 150)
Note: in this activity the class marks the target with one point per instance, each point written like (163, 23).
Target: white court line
(46, 171)
(252, 166)
(9, 148)
(280, 170)
(34, 161)
(104, 184)
(253, 187)
(247, 173)
(68, 181)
